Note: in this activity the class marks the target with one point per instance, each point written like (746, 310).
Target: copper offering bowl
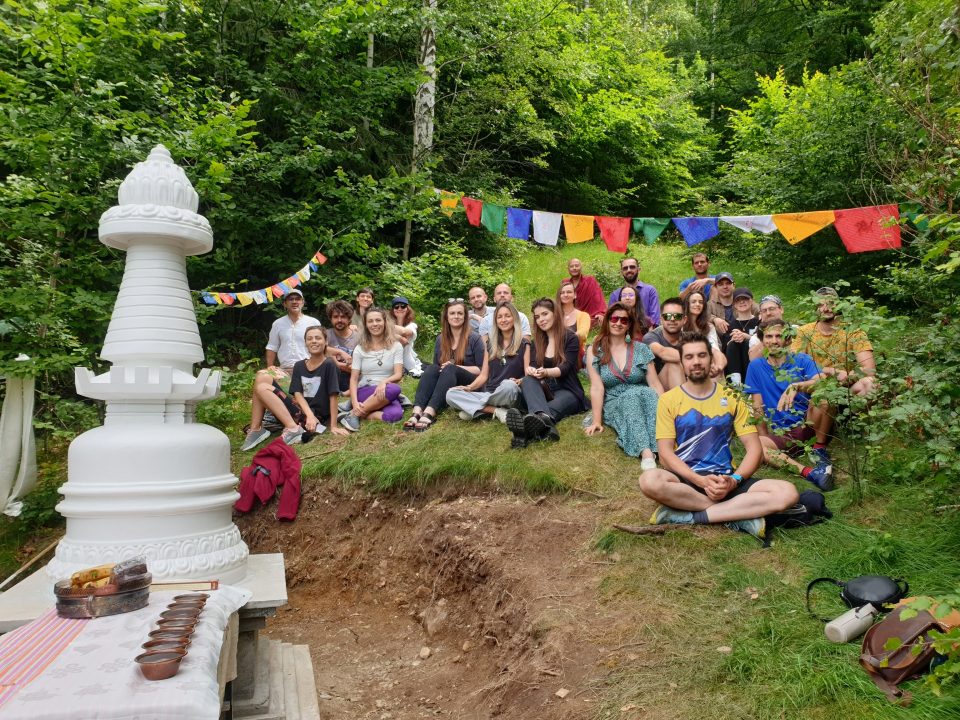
(201, 597)
(187, 604)
(189, 613)
(183, 624)
(167, 644)
(179, 635)
(160, 665)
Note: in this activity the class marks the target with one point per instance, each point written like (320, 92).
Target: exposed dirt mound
(473, 607)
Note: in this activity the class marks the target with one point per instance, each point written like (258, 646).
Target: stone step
(292, 688)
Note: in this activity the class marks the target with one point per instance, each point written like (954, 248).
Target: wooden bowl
(160, 665)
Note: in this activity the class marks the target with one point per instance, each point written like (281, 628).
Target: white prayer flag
(546, 227)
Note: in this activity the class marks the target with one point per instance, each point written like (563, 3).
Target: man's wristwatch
(737, 478)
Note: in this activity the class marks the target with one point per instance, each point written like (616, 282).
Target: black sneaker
(515, 422)
(539, 426)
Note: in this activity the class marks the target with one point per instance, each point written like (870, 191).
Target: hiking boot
(664, 515)
(500, 414)
(822, 477)
(539, 426)
(648, 464)
(752, 526)
(350, 422)
(514, 421)
(293, 437)
(404, 401)
(254, 438)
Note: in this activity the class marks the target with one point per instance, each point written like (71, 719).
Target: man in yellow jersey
(695, 423)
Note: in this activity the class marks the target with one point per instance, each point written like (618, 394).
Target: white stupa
(152, 481)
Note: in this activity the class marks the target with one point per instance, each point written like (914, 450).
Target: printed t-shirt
(769, 383)
(375, 366)
(702, 428)
(317, 386)
(838, 350)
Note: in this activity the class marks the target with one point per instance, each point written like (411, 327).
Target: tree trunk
(423, 104)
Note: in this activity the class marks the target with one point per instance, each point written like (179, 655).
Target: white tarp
(18, 453)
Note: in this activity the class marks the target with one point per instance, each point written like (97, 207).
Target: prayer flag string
(267, 294)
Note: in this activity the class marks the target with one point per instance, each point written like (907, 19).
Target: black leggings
(564, 402)
(434, 383)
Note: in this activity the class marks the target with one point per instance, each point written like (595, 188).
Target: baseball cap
(742, 292)
(828, 292)
(400, 300)
(772, 298)
(292, 293)
(723, 276)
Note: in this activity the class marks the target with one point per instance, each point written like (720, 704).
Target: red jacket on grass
(275, 466)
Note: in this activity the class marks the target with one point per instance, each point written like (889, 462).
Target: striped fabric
(27, 651)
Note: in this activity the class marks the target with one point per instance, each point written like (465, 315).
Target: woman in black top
(459, 356)
(551, 387)
(498, 385)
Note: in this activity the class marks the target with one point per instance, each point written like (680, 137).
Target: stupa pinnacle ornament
(152, 480)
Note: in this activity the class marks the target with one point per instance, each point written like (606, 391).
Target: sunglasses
(619, 320)
(450, 301)
(672, 316)
(402, 306)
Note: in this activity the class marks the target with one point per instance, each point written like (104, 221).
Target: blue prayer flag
(697, 229)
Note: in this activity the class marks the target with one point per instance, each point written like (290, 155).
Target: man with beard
(589, 295)
(341, 340)
(478, 307)
(647, 297)
(697, 484)
(664, 341)
(780, 385)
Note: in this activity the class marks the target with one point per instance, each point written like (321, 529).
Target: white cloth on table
(96, 676)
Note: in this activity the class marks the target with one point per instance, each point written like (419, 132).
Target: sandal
(411, 424)
(425, 421)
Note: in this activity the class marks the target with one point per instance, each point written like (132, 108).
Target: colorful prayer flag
(797, 227)
(546, 227)
(518, 223)
(750, 223)
(473, 208)
(208, 298)
(493, 217)
(578, 228)
(244, 298)
(448, 202)
(651, 228)
(869, 228)
(615, 232)
(697, 229)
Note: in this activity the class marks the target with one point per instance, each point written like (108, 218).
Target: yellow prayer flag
(269, 292)
(244, 298)
(797, 227)
(449, 202)
(578, 228)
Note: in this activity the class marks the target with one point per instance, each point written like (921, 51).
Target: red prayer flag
(292, 281)
(869, 228)
(228, 298)
(319, 258)
(615, 232)
(474, 209)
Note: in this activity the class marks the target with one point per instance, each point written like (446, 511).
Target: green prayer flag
(650, 227)
(494, 217)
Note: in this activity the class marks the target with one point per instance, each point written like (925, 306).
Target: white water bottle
(852, 624)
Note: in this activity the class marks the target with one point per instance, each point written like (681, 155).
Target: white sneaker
(500, 414)
(648, 464)
(464, 415)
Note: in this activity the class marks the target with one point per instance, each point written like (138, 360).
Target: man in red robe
(590, 297)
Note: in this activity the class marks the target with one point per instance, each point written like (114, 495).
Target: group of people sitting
(673, 379)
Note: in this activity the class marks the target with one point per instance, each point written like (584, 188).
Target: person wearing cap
(701, 280)
(403, 316)
(742, 326)
(771, 308)
(285, 347)
(720, 306)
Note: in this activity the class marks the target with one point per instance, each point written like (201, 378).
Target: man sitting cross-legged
(780, 385)
(695, 423)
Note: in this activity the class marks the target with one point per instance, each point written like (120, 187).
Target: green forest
(327, 125)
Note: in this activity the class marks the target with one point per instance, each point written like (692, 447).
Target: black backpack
(811, 509)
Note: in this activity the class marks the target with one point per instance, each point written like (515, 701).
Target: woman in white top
(403, 317)
(376, 370)
(697, 319)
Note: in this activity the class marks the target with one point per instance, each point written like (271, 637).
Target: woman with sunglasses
(624, 386)
(641, 323)
(459, 357)
(376, 370)
(497, 387)
(551, 388)
(403, 318)
(697, 320)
